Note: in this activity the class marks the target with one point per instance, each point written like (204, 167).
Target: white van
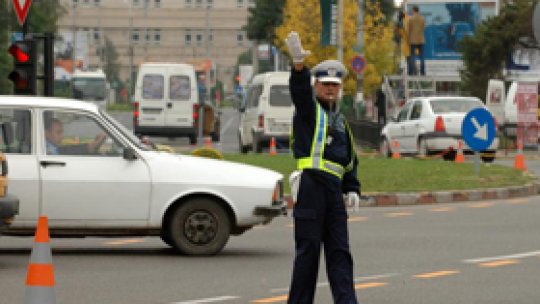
(90, 86)
(266, 112)
(167, 103)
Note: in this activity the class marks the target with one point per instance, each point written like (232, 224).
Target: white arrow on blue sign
(478, 129)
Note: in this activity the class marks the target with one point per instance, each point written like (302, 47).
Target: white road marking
(208, 300)
(503, 257)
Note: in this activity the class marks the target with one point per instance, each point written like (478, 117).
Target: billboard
(447, 23)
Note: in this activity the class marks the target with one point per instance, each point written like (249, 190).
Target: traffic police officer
(324, 149)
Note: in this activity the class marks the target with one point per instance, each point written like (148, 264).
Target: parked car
(90, 186)
(430, 125)
(9, 204)
(266, 112)
(167, 102)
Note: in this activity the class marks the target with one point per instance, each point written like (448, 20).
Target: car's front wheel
(200, 227)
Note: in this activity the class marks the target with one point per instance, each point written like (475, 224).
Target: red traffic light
(20, 79)
(20, 52)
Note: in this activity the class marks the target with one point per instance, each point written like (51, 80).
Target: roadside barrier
(272, 150)
(460, 158)
(40, 275)
(395, 150)
(519, 162)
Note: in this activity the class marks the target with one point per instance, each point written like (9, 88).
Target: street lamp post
(207, 78)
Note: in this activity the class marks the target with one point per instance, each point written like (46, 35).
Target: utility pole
(340, 31)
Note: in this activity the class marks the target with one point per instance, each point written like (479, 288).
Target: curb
(440, 197)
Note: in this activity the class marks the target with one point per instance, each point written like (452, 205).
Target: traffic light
(25, 67)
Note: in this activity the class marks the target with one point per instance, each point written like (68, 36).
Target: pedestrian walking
(416, 39)
(380, 103)
(323, 146)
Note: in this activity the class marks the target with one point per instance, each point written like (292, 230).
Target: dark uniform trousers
(320, 217)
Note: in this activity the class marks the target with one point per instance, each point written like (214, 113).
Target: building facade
(206, 33)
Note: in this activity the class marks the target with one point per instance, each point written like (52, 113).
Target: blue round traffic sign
(358, 64)
(478, 129)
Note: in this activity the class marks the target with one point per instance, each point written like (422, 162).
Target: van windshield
(280, 96)
(86, 88)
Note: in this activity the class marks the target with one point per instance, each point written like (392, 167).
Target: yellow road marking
(370, 285)
(282, 298)
(357, 219)
(123, 242)
(397, 214)
(442, 209)
(499, 263)
(436, 274)
(481, 205)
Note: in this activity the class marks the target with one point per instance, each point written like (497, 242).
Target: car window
(416, 110)
(152, 86)
(454, 105)
(69, 133)
(254, 94)
(179, 87)
(402, 116)
(280, 96)
(15, 131)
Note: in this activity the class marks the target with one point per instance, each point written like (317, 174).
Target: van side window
(15, 131)
(179, 87)
(152, 86)
(254, 96)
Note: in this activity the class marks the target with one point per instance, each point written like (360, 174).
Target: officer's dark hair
(415, 9)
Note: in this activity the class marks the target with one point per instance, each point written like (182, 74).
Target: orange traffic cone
(460, 158)
(208, 142)
(272, 146)
(519, 162)
(40, 276)
(395, 150)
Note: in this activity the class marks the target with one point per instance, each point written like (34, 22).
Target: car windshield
(280, 96)
(127, 134)
(88, 88)
(440, 106)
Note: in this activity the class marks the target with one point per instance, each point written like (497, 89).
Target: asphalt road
(483, 252)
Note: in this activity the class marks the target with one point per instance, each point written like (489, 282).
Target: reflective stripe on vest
(316, 160)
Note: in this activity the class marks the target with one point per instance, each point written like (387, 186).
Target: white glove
(295, 47)
(294, 182)
(352, 201)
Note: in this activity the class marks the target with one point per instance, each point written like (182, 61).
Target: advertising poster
(447, 23)
(527, 106)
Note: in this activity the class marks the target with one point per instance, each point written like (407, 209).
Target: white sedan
(431, 125)
(90, 176)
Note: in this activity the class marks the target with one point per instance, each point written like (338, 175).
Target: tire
(384, 147)
(193, 139)
(200, 226)
(423, 150)
(243, 149)
(166, 238)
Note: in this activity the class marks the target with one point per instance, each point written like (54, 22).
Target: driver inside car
(54, 134)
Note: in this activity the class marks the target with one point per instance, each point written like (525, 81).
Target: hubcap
(200, 227)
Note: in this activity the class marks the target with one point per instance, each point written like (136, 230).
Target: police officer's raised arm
(300, 81)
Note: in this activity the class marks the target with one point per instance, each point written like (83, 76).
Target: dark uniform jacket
(338, 148)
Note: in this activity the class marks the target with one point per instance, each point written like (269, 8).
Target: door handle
(169, 105)
(45, 163)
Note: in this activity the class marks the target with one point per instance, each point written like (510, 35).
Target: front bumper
(278, 208)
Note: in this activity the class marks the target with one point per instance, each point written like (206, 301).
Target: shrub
(207, 152)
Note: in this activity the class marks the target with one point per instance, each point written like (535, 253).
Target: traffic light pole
(48, 69)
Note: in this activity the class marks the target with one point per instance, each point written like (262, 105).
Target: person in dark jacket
(380, 103)
(324, 149)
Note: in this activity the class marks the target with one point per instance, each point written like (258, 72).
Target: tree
(378, 47)
(304, 17)
(495, 40)
(111, 61)
(41, 18)
(263, 19)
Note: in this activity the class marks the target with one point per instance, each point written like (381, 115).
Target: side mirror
(129, 154)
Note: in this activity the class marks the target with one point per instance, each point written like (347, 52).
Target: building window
(239, 38)
(148, 35)
(135, 35)
(136, 2)
(187, 37)
(157, 35)
(188, 3)
(198, 3)
(251, 3)
(198, 39)
(239, 3)
(97, 34)
(157, 3)
(210, 36)
(209, 3)
(97, 3)
(75, 2)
